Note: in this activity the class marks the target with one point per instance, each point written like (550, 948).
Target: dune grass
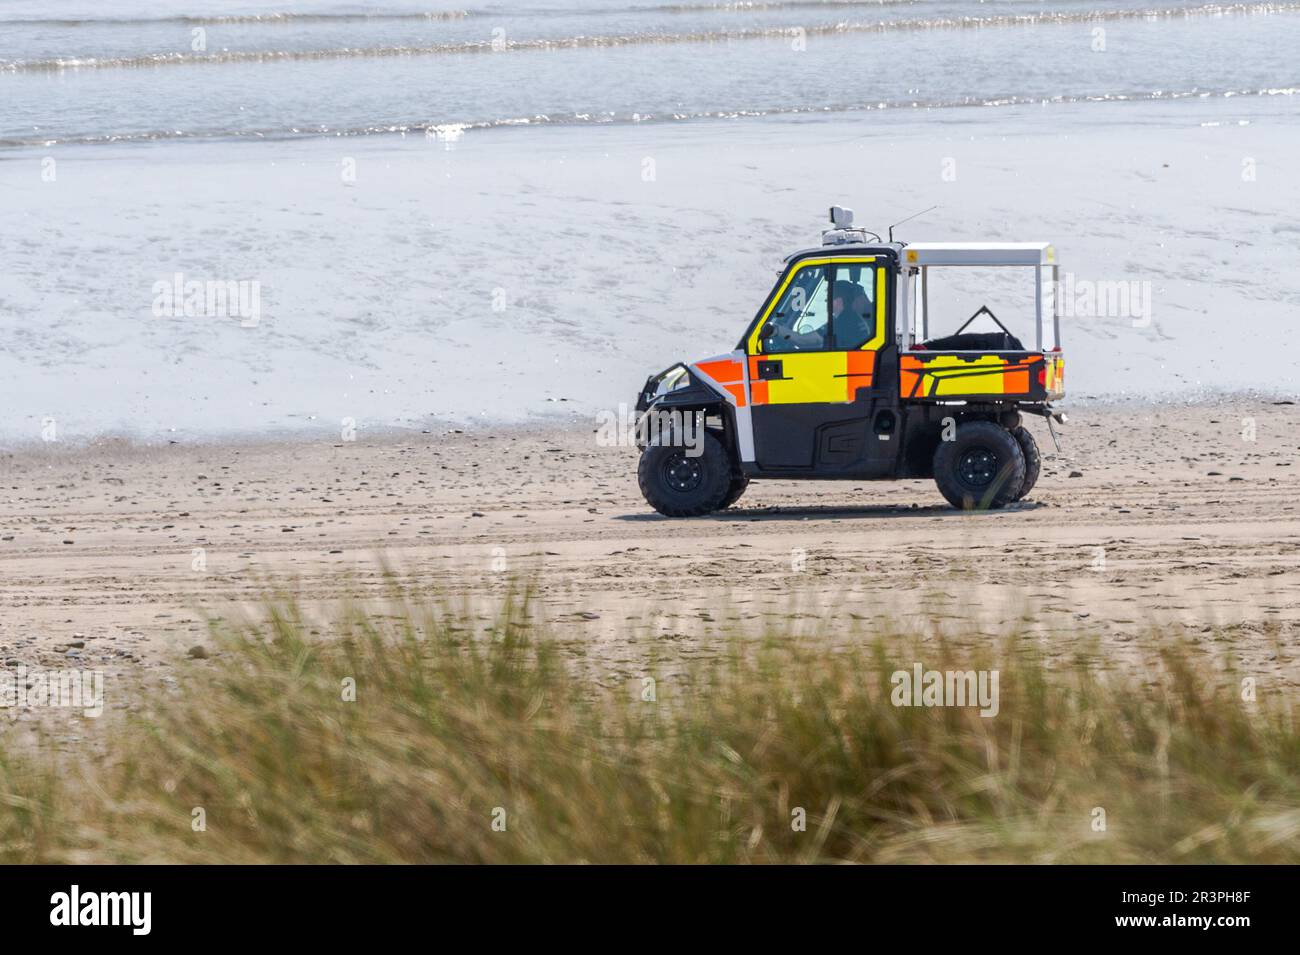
(487, 745)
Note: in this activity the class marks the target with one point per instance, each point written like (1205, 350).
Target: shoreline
(1193, 110)
(452, 131)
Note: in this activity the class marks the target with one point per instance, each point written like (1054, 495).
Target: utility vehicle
(837, 376)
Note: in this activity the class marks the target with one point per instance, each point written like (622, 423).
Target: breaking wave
(223, 19)
(506, 45)
(294, 17)
(454, 130)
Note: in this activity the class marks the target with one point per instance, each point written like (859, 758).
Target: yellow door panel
(808, 378)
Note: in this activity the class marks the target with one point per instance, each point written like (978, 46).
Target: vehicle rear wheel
(680, 485)
(1033, 460)
(981, 468)
(737, 488)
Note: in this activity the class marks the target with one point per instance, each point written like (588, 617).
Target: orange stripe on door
(859, 368)
(757, 387)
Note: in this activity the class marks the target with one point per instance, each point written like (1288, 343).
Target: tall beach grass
(409, 734)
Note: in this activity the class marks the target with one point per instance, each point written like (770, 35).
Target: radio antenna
(909, 219)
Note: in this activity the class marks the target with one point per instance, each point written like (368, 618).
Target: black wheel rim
(977, 467)
(682, 474)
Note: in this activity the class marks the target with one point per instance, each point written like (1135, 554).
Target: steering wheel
(790, 338)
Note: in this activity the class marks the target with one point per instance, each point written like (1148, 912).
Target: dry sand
(1198, 526)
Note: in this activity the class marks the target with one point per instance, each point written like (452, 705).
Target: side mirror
(767, 331)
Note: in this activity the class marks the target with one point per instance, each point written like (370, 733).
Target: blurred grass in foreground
(447, 726)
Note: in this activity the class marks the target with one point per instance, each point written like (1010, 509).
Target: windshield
(799, 322)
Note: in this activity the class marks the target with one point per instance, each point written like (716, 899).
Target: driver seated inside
(793, 327)
(851, 316)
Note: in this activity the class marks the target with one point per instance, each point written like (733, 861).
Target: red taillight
(1042, 375)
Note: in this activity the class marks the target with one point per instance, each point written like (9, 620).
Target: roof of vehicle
(849, 248)
(943, 253)
(980, 253)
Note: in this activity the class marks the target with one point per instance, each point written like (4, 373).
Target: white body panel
(744, 421)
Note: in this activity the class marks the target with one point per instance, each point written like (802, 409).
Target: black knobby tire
(1033, 460)
(737, 488)
(678, 485)
(981, 468)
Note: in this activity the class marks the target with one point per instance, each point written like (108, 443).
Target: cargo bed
(943, 375)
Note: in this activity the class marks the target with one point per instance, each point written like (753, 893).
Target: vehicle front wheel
(678, 484)
(981, 468)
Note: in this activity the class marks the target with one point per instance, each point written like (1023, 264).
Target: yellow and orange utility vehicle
(837, 376)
